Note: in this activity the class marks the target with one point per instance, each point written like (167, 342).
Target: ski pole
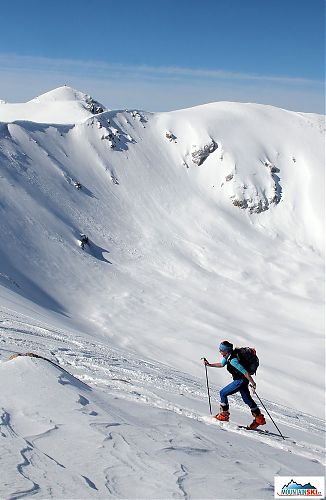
(209, 396)
(269, 415)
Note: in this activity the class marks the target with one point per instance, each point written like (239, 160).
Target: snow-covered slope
(131, 428)
(203, 224)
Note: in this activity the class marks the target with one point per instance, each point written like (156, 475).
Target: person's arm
(251, 380)
(235, 363)
(213, 365)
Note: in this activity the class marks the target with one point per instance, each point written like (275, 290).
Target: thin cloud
(153, 88)
(103, 69)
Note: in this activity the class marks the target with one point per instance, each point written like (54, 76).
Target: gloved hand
(253, 387)
(206, 363)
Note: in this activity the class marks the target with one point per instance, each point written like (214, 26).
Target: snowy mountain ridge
(202, 224)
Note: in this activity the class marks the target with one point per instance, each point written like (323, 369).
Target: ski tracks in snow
(163, 406)
(134, 379)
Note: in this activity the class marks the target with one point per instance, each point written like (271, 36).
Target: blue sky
(161, 55)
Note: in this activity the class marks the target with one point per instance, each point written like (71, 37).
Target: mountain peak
(63, 93)
(61, 105)
(68, 94)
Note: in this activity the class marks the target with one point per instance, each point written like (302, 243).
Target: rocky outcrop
(29, 354)
(171, 137)
(199, 155)
(93, 106)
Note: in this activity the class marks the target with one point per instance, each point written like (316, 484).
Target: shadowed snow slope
(203, 224)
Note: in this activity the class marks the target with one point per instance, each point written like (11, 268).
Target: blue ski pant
(241, 386)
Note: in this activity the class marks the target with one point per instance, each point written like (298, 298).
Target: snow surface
(61, 105)
(204, 224)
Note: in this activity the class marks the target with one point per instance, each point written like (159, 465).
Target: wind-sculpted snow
(109, 424)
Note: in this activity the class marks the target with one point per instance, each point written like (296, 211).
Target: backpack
(248, 358)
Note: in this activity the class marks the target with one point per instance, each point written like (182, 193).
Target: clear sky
(160, 55)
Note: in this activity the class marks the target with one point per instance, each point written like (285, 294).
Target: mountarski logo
(298, 487)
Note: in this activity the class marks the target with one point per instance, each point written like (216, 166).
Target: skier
(241, 380)
(83, 240)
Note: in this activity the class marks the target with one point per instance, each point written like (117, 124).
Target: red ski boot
(258, 420)
(223, 416)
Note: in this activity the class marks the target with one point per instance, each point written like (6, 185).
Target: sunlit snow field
(204, 224)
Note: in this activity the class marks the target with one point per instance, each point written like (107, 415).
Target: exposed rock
(240, 203)
(257, 204)
(30, 354)
(138, 116)
(171, 137)
(201, 154)
(114, 179)
(93, 106)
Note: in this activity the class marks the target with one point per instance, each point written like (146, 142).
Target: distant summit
(63, 105)
(65, 93)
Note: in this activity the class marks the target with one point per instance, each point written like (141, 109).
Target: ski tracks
(161, 387)
(144, 381)
(169, 449)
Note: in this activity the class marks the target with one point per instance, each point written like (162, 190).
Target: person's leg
(224, 393)
(259, 418)
(227, 391)
(246, 396)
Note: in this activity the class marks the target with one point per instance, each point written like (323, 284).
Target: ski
(260, 431)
